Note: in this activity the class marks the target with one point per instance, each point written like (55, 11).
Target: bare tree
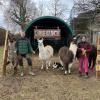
(41, 8)
(87, 5)
(82, 5)
(0, 3)
(86, 19)
(57, 8)
(20, 12)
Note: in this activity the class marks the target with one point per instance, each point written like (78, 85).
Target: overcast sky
(69, 4)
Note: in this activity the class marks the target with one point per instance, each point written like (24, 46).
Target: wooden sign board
(47, 33)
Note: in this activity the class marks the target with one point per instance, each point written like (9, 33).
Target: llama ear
(42, 39)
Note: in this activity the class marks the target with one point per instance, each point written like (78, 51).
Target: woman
(84, 49)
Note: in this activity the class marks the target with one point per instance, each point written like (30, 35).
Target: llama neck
(73, 48)
(41, 48)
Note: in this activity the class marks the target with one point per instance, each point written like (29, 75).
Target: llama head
(75, 39)
(40, 42)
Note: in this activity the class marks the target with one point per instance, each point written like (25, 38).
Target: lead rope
(36, 50)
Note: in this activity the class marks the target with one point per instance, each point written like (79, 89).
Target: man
(24, 49)
(83, 48)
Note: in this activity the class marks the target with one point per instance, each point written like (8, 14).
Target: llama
(45, 53)
(67, 56)
(92, 57)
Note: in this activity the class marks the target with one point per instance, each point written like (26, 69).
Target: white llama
(45, 53)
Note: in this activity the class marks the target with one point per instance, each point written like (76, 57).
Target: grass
(47, 85)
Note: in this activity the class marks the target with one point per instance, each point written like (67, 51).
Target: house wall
(94, 38)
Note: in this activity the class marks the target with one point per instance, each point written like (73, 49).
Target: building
(55, 32)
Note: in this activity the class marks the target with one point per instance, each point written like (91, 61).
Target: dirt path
(48, 85)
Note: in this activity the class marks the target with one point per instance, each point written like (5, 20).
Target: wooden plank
(98, 39)
(47, 33)
(5, 54)
(98, 58)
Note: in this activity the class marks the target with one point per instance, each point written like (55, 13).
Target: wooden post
(98, 58)
(5, 54)
(98, 67)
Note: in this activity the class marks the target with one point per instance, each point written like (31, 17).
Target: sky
(69, 4)
(2, 8)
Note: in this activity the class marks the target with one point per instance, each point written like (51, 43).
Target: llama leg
(69, 68)
(90, 59)
(62, 65)
(66, 68)
(42, 65)
(61, 62)
(47, 64)
(94, 61)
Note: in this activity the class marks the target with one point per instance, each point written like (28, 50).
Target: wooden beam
(5, 54)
